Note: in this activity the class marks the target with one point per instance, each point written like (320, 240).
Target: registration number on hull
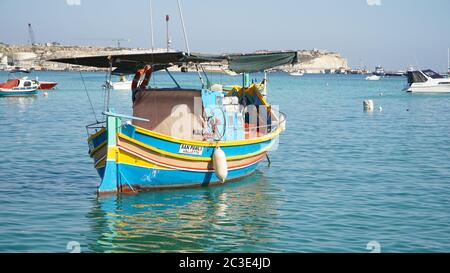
(190, 149)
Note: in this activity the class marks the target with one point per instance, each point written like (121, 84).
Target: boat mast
(448, 61)
(151, 26)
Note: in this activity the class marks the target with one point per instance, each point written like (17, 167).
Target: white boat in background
(379, 71)
(373, 78)
(229, 72)
(427, 81)
(297, 73)
(122, 84)
(18, 87)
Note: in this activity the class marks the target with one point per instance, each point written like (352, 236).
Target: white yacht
(379, 71)
(122, 84)
(297, 73)
(427, 81)
(373, 78)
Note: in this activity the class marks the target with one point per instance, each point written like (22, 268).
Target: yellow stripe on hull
(162, 160)
(101, 163)
(191, 158)
(269, 136)
(96, 134)
(103, 144)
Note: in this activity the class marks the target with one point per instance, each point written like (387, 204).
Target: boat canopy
(20, 71)
(432, 74)
(415, 76)
(129, 63)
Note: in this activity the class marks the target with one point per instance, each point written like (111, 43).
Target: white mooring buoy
(220, 164)
(45, 94)
(368, 105)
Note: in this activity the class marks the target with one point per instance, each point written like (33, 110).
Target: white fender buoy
(220, 164)
(45, 94)
(368, 105)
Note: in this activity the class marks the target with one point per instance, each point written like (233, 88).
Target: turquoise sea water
(340, 178)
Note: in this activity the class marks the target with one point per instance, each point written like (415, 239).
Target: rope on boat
(87, 93)
(126, 181)
(108, 90)
(184, 28)
(268, 159)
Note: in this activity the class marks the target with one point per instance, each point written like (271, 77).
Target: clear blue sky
(396, 34)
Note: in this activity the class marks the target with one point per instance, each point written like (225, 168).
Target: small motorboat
(427, 81)
(122, 84)
(47, 85)
(18, 87)
(297, 73)
(373, 78)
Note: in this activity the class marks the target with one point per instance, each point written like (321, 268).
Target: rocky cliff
(317, 61)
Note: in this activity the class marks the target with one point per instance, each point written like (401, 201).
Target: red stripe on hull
(154, 161)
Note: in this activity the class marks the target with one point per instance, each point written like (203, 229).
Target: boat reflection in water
(235, 217)
(14, 106)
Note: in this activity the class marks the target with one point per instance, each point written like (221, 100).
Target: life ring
(137, 83)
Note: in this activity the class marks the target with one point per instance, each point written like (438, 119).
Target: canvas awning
(129, 63)
(249, 63)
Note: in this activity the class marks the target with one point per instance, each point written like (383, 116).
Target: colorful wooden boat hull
(132, 159)
(134, 178)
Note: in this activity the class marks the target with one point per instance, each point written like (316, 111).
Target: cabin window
(432, 74)
(416, 76)
(27, 83)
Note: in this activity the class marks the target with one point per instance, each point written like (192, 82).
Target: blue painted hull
(140, 178)
(18, 94)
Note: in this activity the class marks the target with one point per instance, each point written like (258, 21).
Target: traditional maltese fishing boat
(184, 137)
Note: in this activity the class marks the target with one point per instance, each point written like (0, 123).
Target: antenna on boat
(151, 26)
(167, 32)
(265, 81)
(184, 28)
(448, 62)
